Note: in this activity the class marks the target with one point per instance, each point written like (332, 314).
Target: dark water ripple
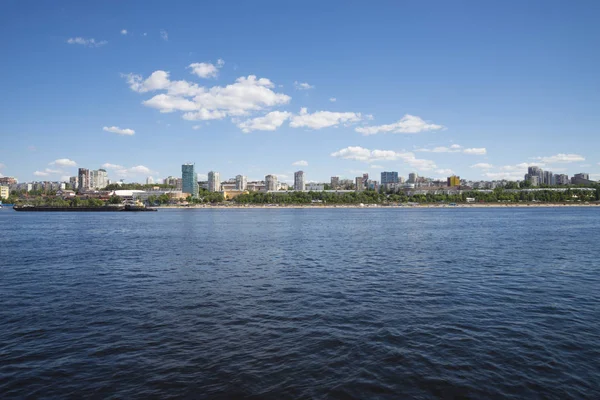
(449, 303)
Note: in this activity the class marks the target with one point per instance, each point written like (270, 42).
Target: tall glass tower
(189, 180)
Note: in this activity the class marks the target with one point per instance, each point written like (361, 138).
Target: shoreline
(377, 206)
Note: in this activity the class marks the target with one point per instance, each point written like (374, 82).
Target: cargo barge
(125, 208)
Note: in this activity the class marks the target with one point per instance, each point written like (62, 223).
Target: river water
(301, 303)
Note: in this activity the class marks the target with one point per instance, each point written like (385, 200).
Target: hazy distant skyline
(476, 89)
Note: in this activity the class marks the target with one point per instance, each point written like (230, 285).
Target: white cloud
(407, 124)
(91, 42)
(365, 155)
(332, 99)
(482, 166)
(124, 172)
(509, 176)
(64, 162)
(166, 104)
(300, 163)
(246, 95)
(164, 35)
(455, 148)
(206, 70)
(47, 172)
(377, 166)
(478, 151)
(269, 122)
(561, 158)
(140, 169)
(2, 166)
(323, 119)
(443, 149)
(521, 166)
(112, 166)
(119, 131)
(444, 171)
(123, 31)
(302, 86)
(196, 127)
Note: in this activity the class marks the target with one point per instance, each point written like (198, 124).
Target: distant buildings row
(537, 176)
(94, 180)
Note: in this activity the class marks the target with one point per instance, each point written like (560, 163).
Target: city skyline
(138, 97)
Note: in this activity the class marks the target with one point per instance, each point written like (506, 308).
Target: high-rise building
(365, 180)
(149, 180)
(412, 177)
(299, 181)
(270, 183)
(214, 181)
(549, 178)
(83, 179)
(73, 182)
(170, 180)
(4, 192)
(535, 180)
(189, 180)
(561, 179)
(358, 184)
(453, 181)
(389, 177)
(241, 182)
(335, 182)
(7, 181)
(98, 179)
(582, 175)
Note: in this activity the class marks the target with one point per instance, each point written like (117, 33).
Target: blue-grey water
(318, 303)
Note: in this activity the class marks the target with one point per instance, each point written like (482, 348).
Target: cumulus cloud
(269, 122)
(123, 172)
(332, 99)
(561, 158)
(323, 119)
(91, 42)
(455, 148)
(123, 31)
(482, 166)
(47, 172)
(509, 176)
(478, 151)
(111, 166)
(300, 163)
(446, 171)
(302, 86)
(206, 70)
(246, 95)
(365, 155)
(119, 131)
(407, 124)
(64, 162)
(164, 35)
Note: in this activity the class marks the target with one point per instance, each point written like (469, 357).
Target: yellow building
(4, 192)
(230, 194)
(453, 180)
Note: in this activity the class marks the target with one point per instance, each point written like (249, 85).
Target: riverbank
(378, 206)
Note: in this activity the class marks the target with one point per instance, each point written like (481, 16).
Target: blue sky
(480, 89)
